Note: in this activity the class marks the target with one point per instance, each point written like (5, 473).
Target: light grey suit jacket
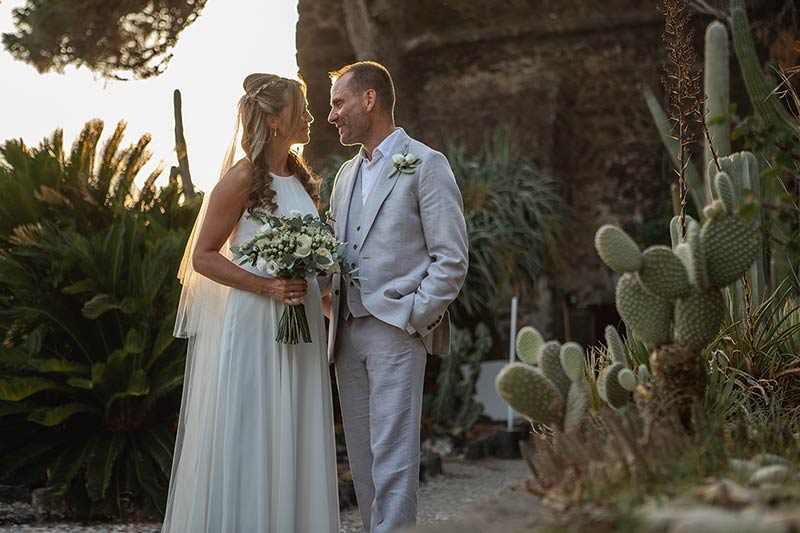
(413, 251)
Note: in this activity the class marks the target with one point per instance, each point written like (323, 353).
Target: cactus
(529, 344)
(717, 91)
(554, 393)
(674, 302)
(730, 244)
(642, 374)
(550, 363)
(742, 168)
(531, 394)
(763, 97)
(663, 274)
(616, 381)
(617, 249)
(647, 315)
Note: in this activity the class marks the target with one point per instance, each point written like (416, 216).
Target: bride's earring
(275, 132)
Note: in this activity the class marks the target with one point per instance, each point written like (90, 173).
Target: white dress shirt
(370, 169)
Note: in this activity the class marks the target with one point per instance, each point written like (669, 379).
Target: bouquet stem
(293, 325)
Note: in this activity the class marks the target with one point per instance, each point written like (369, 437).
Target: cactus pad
(609, 388)
(578, 401)
(698, 318)
(643, 374)
(529, 344)
(616, 348)
(730, 246)
(648, 316)
(617, 249)
(531, 394)
(663, 273)
(550, 365)
(573, 360)
(626, 380)
(726, 192)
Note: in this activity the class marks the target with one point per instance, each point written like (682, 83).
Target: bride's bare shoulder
(237, 180)
(241, 171)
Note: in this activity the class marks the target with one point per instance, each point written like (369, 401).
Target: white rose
(294, 213)
(303, 246)
(326, 256)
(410, 158)
(398, 159)
(266, 229)
(272, 268)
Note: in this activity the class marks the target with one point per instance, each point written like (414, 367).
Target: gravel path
(462, 484)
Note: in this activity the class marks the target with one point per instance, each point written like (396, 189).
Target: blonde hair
(268, 95)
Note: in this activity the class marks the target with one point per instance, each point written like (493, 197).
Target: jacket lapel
(382, 188)
(348, 183)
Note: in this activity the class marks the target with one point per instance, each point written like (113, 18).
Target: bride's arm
(227, 203)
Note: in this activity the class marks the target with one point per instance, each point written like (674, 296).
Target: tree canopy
(120, 39)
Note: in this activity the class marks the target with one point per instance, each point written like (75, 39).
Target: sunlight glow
(229, 40)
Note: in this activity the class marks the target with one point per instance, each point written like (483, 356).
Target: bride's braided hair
(268, 95)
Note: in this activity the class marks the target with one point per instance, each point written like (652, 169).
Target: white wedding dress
(255, 450)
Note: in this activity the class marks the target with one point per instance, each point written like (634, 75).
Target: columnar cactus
(549, 387)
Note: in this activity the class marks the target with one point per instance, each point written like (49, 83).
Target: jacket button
(336, 292)
(355, 247)
(358, 228)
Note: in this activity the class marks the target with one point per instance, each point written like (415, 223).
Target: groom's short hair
(366, 75)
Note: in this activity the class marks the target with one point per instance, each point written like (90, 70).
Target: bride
(255, 445)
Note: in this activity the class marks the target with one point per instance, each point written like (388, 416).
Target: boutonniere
(405, 162)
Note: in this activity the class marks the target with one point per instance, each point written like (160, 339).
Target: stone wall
(566, 74)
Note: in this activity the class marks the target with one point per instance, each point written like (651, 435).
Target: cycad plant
(90, 374)
(513, 213)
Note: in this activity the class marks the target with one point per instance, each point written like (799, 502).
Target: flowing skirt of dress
(257, 453)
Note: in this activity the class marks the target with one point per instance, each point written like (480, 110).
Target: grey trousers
(380, 371)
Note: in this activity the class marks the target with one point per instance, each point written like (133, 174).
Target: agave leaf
(68, 465)
(79, 287)
(57, 365)
(52, 416)
(18, 388)
(160, 443)
(147, 476)
(163, 340)
(137, 386)
(100, 463)
(99, 305)
(80, 383)
(14, 408)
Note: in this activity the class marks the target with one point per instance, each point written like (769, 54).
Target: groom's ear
(370, 99)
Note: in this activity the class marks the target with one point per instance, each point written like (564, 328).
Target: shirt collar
(383, 148)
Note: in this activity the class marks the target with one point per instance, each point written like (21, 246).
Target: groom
(398, 207)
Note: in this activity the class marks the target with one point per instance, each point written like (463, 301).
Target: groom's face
(348, 112)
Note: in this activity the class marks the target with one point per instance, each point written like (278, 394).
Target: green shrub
(91, 374)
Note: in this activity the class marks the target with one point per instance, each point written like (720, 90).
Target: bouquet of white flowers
(292, 247)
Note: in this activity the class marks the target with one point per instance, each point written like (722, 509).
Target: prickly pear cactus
(617, 249)
(730, 244)
(698, 318)
(531, 394)
(553, 393)
(649, 316)
(616, 381)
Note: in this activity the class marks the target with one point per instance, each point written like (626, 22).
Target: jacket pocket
(405, 286)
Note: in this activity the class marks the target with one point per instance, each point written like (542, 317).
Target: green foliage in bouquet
(90, 374)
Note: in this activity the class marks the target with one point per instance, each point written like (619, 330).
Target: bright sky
(229, 40)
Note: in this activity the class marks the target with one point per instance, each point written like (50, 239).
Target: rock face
(565, 74)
